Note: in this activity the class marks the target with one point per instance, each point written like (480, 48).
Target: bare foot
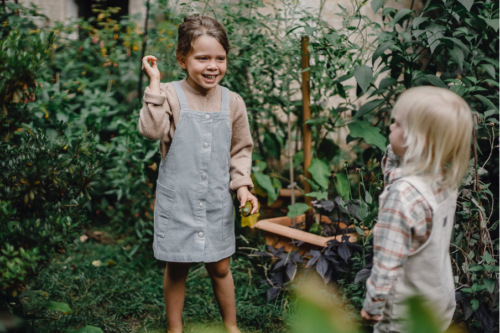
(233, 329)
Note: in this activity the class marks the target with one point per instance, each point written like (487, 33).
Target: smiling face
(205, 64)
(397, 138)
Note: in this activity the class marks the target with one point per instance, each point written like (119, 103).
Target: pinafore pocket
(165, 200)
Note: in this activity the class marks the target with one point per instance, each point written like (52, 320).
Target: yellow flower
(134, 48)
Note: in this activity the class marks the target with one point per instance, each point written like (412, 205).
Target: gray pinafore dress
(193, 213)
(427, 271)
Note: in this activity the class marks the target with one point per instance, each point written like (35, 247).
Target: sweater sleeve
(155, 114)
(241, 147)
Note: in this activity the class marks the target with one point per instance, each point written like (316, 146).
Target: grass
(125, 294)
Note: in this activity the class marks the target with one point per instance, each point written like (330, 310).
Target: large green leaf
(265, 183)
(467, 4)
(297, 209)
(401, 13)
(377, 4)
(381, 49)
(343, 186)
(320, 171)
(363, 75)
(421, 318)
(368, 107)
(369, 133)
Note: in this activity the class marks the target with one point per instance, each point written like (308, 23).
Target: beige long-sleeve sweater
(158, 111)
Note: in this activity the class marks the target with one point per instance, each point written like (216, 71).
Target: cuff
(374, 307)
(239, 182)
(155, 99)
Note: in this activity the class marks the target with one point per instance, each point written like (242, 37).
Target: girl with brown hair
(206, 150)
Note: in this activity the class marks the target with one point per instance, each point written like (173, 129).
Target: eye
(222, 58)
(202, 58)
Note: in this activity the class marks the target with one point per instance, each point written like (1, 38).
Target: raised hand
(152, 73)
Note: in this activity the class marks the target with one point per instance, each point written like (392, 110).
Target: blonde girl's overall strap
(224, 107)
(181, 96)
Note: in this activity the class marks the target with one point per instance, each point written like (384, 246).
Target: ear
(182, 62)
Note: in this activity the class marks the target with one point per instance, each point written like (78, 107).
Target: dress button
(201, 204)
(207, 116)
(203, 176)
(200, 234)
(205, 145)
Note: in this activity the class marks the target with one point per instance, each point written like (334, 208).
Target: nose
(212, 65)
(391, 127)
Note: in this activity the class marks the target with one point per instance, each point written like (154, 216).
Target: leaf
(401, 13)
(488, 258)
(320, 171)
(362, 210)
(57, 306)
(316, 255)
(87, 329)
(467, 4)
(369, 133)
(458, 56)
(322, 267)
(381, 50)
(368, 197)
(418, 20)
(272, 293)
(474, 303)
(291, 269)
(343, 186)
(265, 183)
(363, 75)
(490, 285)
(368, 107)
(376, 5)
(487, 102)
(297, 209)
(489, 69)
(344, 252)
(434, 32)
(420, 317)
(318, 195)
(492, 23)
(363, 274)
(434, 80)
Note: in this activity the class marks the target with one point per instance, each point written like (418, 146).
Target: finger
(243, 200)
(255, 204)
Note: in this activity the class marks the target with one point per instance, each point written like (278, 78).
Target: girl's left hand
(244, 195)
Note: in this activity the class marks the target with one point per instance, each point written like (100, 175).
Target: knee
(218, 271)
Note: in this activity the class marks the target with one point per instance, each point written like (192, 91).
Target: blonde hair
(437, 126)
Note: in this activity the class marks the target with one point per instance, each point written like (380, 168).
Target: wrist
(154, 86)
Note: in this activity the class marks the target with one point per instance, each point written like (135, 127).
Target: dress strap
(181, 96)
(424, 188)
(224, 106)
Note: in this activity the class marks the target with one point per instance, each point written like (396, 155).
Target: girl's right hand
(151, 71)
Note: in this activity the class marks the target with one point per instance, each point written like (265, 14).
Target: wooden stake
(306, 129)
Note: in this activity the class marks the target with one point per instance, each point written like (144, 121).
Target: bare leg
(174, 290)
(223, 286)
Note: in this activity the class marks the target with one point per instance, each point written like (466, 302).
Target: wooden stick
(307, 139)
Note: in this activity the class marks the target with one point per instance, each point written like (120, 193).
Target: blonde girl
(206, 150)
(423, 168)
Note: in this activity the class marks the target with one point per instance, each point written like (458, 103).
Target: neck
(198, 88)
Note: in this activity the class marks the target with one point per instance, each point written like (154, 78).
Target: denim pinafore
(193, 213)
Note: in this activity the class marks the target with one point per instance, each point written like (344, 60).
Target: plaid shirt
(404, 224)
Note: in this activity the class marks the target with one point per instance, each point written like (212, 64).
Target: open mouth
(209, 77)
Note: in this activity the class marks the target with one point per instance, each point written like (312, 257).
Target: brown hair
(196, 26)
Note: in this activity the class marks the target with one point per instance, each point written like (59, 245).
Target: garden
(78, 180)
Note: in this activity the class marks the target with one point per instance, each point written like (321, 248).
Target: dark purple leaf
(265, 281)
(467, 309)
(316, 254)
(291, 269)
(295, 257)
(458, 296)
(328, 275)
(363, 274)
(278, 279)
(332, 243)
(282, 262)
(275, 252)
(344, 252)
(345, 238)
(272, 294)
(322, 267)
(484, 316)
